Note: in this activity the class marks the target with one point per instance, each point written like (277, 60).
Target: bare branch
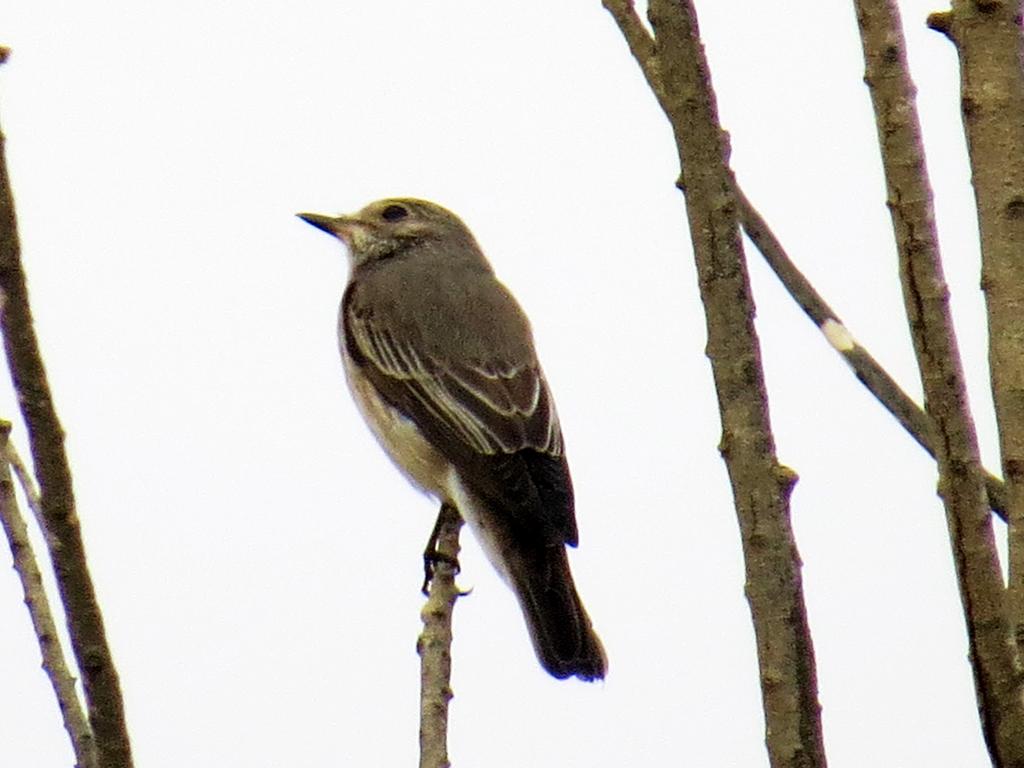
(435, 643)
(677, 71)
(39, 611)
(868, 371)
(28, 484)
(46, 438)
(926, 297)
(640, 43)
(988, 40)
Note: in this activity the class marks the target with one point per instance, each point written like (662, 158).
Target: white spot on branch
(837, 335)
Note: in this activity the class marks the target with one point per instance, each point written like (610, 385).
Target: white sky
(258, 558)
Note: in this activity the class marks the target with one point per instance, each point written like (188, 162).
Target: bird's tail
(559, 626)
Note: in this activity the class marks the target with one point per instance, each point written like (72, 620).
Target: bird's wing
(493, 407)
(494, 420)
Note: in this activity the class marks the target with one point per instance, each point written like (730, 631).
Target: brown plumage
(440, 359)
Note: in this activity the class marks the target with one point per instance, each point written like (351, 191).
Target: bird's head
(389, 227)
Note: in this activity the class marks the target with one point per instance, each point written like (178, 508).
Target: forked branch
(27, 568)
(67, 553)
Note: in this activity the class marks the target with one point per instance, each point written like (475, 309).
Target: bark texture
(868, 370)
(988, 39)
(926, 298)
(46, 438)
(675, 66)
(435, 643)
(27, 568)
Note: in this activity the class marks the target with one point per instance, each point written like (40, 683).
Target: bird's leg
(447, 515)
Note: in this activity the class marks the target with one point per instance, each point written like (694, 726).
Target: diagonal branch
(871, 374)
(39, 612)
(46, 438)
(676, 69)
(28, 485)
(868, 371)
(961, 480)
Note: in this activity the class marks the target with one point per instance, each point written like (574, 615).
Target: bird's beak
(332, 225)
(351, 230)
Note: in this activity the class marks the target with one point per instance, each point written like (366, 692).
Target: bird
(440, 360)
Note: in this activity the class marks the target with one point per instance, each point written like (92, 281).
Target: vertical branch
(926, 297)
(677, 71)
(39, 612)
(987, 35)
(46, 437)
(435, 642)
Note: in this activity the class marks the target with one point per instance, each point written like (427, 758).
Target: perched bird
(440, 360)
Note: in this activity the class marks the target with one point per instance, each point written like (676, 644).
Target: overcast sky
(258, 558)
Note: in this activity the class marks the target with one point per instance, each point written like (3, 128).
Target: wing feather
(494, 407)
(494, 418)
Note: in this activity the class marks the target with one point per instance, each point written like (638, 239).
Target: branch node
(942, 22)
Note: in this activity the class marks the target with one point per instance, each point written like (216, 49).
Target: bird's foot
(447, 519)
(431, 558)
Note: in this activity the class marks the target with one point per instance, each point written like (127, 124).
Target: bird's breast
(398, 435)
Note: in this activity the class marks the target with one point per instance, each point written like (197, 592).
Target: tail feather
(563, 638)
(537, 570)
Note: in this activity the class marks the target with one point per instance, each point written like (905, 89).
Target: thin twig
(435, 642)
(868, 371)
(67, 553)
(38, 605)
(28, 485)
(676, 69)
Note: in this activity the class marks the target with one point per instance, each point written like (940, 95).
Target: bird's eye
(394, 213)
